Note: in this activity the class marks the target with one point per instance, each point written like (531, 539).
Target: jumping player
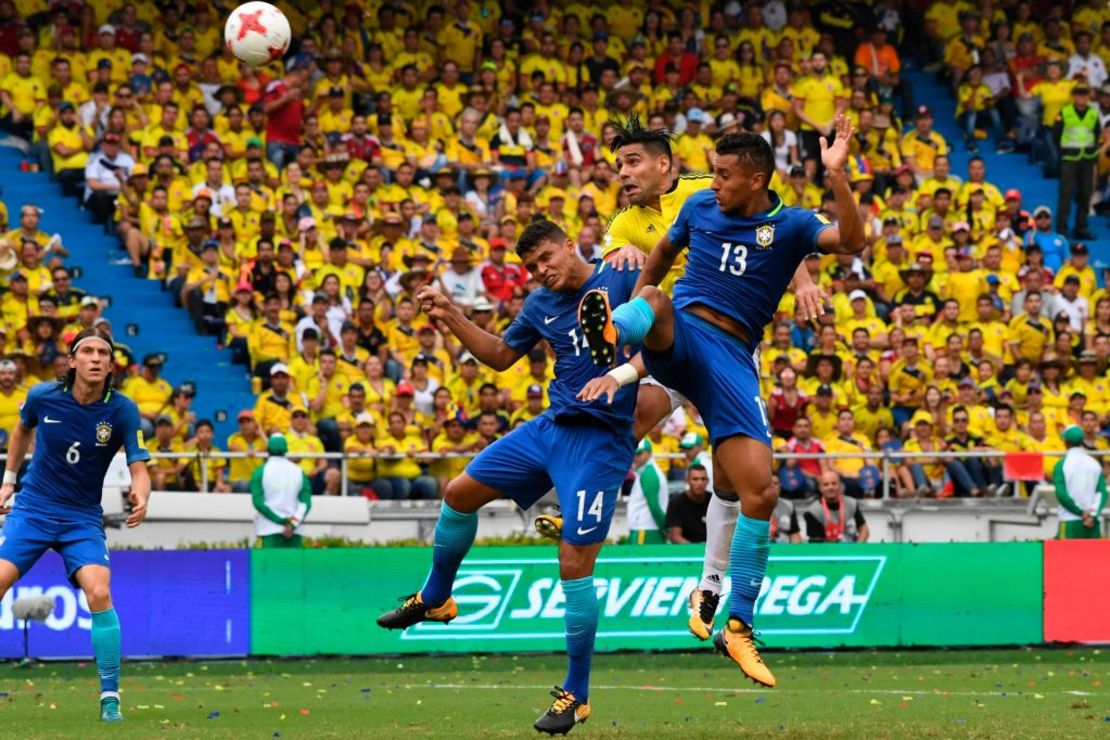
(646, 173)
(82, 422)
(744, 246)
(525, 464)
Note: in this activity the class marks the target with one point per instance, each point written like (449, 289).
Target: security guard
(1077, 133)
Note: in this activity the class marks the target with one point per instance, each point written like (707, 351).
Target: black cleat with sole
(413, 611)
(596, 319)
(564, 714)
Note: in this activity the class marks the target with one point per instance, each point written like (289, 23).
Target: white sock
(720, 523)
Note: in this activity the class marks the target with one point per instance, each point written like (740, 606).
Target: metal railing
(886, 461)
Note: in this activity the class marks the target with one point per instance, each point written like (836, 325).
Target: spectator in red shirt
(803, 442)
(283, 104)
(11, 26)
(677, 55)
(500, 278)
(128, 32)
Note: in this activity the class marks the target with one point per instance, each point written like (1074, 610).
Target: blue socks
(454, 535)
(581, 627)
(751, 544)
(106, 648)
(633, 320)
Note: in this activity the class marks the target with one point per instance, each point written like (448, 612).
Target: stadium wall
(322, 602)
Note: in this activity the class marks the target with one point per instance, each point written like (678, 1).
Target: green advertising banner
(814, 596)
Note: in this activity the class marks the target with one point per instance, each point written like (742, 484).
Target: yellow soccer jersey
(643, 227)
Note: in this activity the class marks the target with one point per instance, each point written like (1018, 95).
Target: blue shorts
(586, 464)
(718, 373)
(27, 535)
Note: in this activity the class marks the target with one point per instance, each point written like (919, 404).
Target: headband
(91, 338)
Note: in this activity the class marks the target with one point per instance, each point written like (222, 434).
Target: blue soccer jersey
(74, 446)
(738, 266)
(553, 316)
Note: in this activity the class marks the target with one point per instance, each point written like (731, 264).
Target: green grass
(981, 693)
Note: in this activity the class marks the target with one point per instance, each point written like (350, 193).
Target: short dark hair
(752, 149)
(699, 466)
(655, 141)
(538, 232)
(204, 423)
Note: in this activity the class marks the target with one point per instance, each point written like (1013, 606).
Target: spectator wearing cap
(282, 497)
(923, 474)
(1078, 264)
(501, 279)
(533, 406)
(326, 392)
(360, 450)
(249, 441)
(462, 281)
(119, 59)
(1070, 302)
(179, 409)
(165, 472)
(150, 392)
(694, 148)
(967, 283)
(1077, 131)
(302, 441)
(70, 144)
(1053, 244)
(275, 406)
(399, 473)
(207, 290)
(212, 479)
(922, 145)
(104, 172)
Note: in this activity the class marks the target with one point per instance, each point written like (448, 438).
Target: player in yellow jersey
(647, 176)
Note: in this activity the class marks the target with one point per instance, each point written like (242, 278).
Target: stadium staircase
(142, 314)
(1004, 170)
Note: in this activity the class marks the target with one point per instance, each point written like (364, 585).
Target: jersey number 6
(73, 454)
(739, 255)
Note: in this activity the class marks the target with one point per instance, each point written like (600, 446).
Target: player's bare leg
(571, 705)
(455, 531)
(95, 581)
(746, 463)
(720, 526)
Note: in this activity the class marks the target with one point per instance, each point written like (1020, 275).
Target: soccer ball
(257, 33)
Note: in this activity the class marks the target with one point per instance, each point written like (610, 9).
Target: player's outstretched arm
(489, 349)
(140, 493)
(658, 263)
(847, 237)
(17, 450)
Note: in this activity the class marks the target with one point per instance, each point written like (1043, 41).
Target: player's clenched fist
(434, 303)
(6, 492)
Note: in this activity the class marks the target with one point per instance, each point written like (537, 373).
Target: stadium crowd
(294, 210)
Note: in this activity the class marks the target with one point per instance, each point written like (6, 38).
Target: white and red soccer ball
(257, 33)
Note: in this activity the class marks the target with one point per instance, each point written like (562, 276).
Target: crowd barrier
(323, 602)
(886, 461)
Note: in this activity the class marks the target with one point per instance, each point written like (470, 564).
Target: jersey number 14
(734, 258)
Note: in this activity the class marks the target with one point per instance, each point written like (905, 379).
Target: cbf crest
(103, 433)
(764, 235)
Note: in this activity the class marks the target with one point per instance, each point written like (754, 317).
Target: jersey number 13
(734, 258)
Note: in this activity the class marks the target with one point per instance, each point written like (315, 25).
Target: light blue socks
(581, 628)
(633, 320)
(454, 535)
(106, 648)
(751, 544)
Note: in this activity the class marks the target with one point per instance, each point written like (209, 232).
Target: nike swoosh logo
(48, 420)
(585, 531)
(754, 582)
(549, 319)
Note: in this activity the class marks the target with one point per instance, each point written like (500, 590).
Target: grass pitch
(980, 693)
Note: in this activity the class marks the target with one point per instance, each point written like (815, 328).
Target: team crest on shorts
(764, 235)
(103, 433)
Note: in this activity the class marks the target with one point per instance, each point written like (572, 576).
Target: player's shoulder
(44, 390)
(693, 182)
(701, 199)
(118, 400)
